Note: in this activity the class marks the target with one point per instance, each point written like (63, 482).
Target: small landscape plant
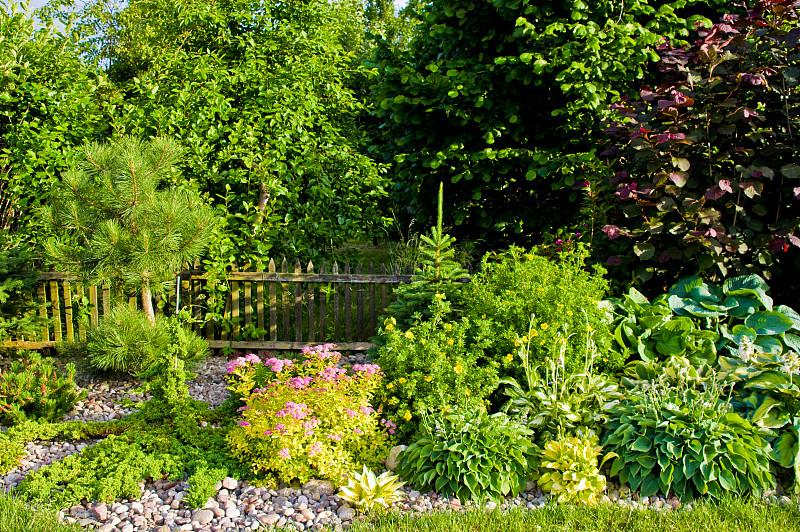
(569, 471)
(431, 365)
(553, 402)
(686, 438)
(369, 492)
(307, 418)
(34, 389)
(469, 454)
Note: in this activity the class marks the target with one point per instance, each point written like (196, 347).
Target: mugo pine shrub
(309, 418)
(33, 389)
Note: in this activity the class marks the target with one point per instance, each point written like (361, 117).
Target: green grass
(16, 516)
(730, 515)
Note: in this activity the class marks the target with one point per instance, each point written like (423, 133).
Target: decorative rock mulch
(239, 506)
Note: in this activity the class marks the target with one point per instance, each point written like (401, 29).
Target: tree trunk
(147, 303)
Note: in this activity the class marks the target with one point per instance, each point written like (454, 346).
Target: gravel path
(238, 506)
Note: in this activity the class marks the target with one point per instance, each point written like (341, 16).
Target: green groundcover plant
(307, 417)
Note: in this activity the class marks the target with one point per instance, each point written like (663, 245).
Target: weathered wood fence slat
(270, 308)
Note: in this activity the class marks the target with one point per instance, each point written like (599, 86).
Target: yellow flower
(401, 380)
(534, 333)
(516, 343)
(389, 327)
(467, 392)
(409, 335)
(569, 313)
(407, 415)
(449, 341)
(389, 386)
(428, 378)
(447, 326)
(509, 357)
(544, 326)
(458, 369)
(483, 317)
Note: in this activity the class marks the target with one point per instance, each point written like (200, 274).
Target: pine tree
(438, 274)
(117, 220)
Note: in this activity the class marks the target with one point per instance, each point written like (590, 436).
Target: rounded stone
(203, 517)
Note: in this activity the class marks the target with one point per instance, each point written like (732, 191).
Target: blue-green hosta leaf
(740, 331)
(745, 305)
(769, 322)
(706, 293)
(671, 345)
(748, 285)
(683, 288)
(689, 307)
(766, 344)
(792, 315)
(725, 306)
(792, 341)
(785, 449)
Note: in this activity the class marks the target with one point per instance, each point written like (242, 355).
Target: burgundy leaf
(664, 257)
(796, 191)
(725, 185)
(715, 193)
(614, 260)
(611, 231)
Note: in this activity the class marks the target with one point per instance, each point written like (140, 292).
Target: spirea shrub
(307, 418)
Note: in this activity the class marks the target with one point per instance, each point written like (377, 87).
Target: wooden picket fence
(269, 308)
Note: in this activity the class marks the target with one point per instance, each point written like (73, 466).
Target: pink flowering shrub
(307, 418)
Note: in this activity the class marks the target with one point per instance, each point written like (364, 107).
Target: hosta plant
(34, 389)
(767, 393)
(470, 454)
(369, 492)
(650, 331)
(686, 439)
(555, 403)
(306, 417)
(569, 470)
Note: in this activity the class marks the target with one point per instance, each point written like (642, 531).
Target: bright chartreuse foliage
(569, 469)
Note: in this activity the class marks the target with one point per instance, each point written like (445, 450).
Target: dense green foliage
(431, 366)
(469, 454)
(52, 100)
(684, 437)
(707, 176)
(501, 100)
(19, 305)
(33, 389)
(524, 294)
(126, 341)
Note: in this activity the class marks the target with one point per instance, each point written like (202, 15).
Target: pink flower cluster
(297, 411)
(240, 362)
(314, 448)
(367, 369)
(320, 351)
(300, 382)
(277, 364)
(389, 425)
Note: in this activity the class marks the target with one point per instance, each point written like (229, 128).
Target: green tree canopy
(501, 100)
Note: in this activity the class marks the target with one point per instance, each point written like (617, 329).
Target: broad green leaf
(642, 444)
(748, 285)
(644, 250)
(792, 315)
(684, 287)
(769, 322)
(785, 449)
